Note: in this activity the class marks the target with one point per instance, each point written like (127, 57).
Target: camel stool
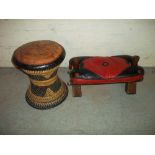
(92, 70)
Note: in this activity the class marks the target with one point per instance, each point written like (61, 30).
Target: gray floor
(103, 109)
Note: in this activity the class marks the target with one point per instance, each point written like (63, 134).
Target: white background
(77, 145)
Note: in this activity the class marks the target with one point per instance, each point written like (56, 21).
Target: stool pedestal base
(49, 101)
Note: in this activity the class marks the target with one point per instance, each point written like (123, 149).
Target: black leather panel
(84, 74)
(80, 59)
(132, 71)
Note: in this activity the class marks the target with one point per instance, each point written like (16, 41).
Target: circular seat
(40, 60)
(39, 55)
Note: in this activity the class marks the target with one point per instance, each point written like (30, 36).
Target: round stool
(40, 61)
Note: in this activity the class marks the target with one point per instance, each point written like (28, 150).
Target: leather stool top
(38, 55)
(97, 70)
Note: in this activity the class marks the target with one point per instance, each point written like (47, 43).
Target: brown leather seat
(38, 53)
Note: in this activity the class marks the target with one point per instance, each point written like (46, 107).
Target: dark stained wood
(74, 64)
(135, 60)
(76, 91)
(130, 88)
(38, 52)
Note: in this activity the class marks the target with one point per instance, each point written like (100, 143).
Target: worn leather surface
(38, 55)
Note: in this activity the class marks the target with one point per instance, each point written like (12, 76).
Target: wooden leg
(130, 88)
(76, 91)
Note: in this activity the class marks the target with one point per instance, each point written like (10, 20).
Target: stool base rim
(48, 105)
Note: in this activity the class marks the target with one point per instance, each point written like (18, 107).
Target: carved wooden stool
(40, 61)
(103, 70)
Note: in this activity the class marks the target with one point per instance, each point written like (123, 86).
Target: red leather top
(106, 67)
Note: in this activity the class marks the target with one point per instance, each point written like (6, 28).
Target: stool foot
(130, 88)
(76, 91)
(49, 104)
